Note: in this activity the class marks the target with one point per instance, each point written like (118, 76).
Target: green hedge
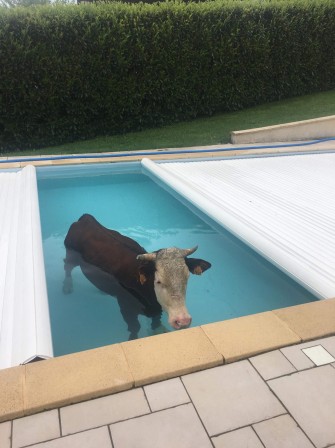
(74, 72)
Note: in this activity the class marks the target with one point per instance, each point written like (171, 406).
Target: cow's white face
(170, 283)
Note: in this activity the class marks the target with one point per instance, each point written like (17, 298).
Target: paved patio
(283, 398)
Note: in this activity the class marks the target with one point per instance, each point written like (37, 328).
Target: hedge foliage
(74, 72)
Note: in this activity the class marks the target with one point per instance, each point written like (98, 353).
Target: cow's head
(171, 272)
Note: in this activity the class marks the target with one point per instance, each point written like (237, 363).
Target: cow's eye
(158, 282)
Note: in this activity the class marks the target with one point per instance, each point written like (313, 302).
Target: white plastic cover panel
(282, 206)
(24, 313)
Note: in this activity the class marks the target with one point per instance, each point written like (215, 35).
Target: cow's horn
(147, 257)
(186, 252)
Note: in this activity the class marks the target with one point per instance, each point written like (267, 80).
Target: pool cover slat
(24, 315)
(282, 206)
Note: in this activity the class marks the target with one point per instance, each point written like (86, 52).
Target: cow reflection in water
(143, 283)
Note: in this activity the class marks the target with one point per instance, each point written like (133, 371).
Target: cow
(116, 263)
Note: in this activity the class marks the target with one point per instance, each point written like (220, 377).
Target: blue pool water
(240, 282)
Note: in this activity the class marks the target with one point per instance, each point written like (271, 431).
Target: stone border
(69, 379)
(228, 150)
(316, 128)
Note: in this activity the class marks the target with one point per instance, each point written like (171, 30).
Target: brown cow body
(154, 279)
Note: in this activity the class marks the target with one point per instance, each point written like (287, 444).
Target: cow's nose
(183, 322)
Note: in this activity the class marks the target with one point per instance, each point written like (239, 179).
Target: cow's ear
(197, 266)
(146, 269)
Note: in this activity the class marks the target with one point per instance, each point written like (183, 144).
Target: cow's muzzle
(181, 322)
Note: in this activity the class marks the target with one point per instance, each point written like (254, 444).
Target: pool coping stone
(70, 379)
(241, 337)
(76, 377)
(310, 321)
(168, 355)
(228, 150)
(11, 393)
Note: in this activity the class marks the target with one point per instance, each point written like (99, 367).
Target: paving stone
(230, 397)
(179, 427)
(309, 397)
(36, 428)
(282, 432)
(318, 355)
(272, 365)
(103, 411)
(166, 394)
(299, 359)
(327, 343)
(242, 438)
(95, 438)
(5, 434)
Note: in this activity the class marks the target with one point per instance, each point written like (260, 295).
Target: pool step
(24, 314)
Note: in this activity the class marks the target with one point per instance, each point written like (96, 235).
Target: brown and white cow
(158, 279)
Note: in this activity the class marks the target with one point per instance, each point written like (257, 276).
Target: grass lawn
(203, 131)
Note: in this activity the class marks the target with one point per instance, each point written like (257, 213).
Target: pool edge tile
(36, 163)
(57, 162)
(25, 390)
(169, 355)
(77, 377)
(9, 165)
(228, 150)
(240, 338)
(311, 320)
(11, 393)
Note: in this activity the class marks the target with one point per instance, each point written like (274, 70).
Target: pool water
(239, 283)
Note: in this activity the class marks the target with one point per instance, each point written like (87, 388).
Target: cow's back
(104, 248)
(87, 228)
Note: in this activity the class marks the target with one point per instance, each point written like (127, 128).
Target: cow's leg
(130, 316)
(156, 325)
(156, 321)
(71, 260)
(131, 319)
(134, 327)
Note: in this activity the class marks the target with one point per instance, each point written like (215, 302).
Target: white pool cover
(24, 315)
(282, 206)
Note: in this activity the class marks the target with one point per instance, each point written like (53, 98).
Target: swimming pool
(239, 283)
